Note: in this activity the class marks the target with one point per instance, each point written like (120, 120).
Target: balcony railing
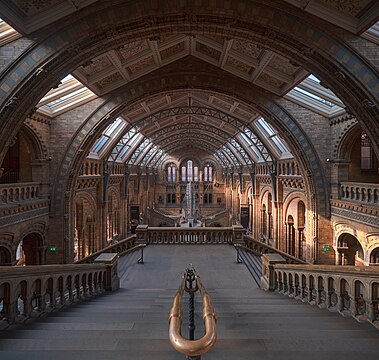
(259, 248)
(28, 291)
(15, 193)
(120, 248)
(349, 290)
(178, 235)
(360, 192)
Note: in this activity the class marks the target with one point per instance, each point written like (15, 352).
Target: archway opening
(85, 230)
(350, 251)
(374, 257)
(5, 257)
(364, 163)
(31, 250)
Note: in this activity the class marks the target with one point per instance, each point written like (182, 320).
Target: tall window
(196, 174)
(171, 174)
(208, 173)
(189, 170)
(366, 152)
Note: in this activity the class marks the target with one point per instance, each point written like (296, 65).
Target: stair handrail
(117, 247)
(193, 349)
(288, 257)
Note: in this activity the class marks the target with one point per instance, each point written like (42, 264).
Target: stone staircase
(132, 322)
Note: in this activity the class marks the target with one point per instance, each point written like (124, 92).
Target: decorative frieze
(355, 213)
(23, 215)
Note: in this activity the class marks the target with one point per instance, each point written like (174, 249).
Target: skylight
(372, 33)
(314, 78)
(7, 33)
(68, 94)
(108, 135)
(311, 94)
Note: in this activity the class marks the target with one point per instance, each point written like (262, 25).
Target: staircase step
(132, 323)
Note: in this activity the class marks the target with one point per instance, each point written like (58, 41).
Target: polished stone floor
(132, 323)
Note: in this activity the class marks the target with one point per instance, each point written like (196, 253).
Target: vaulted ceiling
(171, 122)
(246, 60)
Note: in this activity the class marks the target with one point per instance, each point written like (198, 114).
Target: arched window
(208, 173)
(169, 174)
(184, 174)
(195, 174)
(189, 170)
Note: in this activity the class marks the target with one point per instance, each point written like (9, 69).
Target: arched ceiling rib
(27, 17)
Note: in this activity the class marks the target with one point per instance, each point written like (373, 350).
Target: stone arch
(5, 256)
(349, 250)
(39, 147)
(294, 205)
(346, 72)
(348, 135)
(7, 253)
(236, 23)
(374, 256)
(85, 241)
(32, 249)
(36, 235)
(96, 123)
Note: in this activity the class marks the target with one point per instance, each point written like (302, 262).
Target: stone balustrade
(119, 247)
(16, 193)
(360, 192)
(195, 235)
(91, 167)
(260, 248)
(28, 291)
(288, 167)
(349, 290)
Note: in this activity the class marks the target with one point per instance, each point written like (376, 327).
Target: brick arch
(36, 141)
(37, 228)
(37, 234)
(274, 113)
(7, 253)
(77, 38)
(251, 97)
(169, 161)
(347, 138)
